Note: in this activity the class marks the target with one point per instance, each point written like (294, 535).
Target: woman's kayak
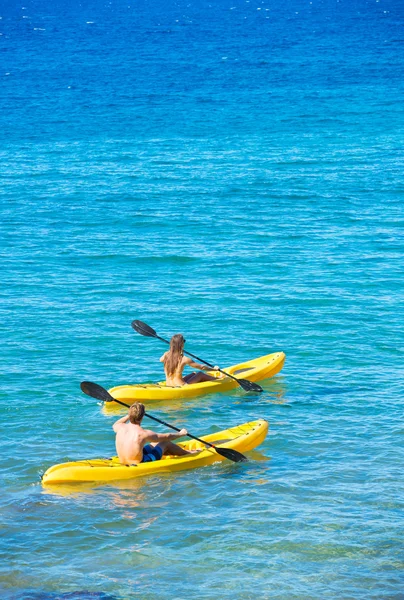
(253, 370)
(242, 438)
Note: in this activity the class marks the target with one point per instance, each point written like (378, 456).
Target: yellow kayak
(253, 370)
(242, 438)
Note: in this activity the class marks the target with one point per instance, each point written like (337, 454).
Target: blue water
(233, 171)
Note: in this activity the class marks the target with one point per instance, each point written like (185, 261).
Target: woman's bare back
(176, 379)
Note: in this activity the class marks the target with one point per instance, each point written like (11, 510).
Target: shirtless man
(132, 440)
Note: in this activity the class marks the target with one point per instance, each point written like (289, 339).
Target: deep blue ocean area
(232, 170)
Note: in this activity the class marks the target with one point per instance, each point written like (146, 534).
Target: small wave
(78, 595)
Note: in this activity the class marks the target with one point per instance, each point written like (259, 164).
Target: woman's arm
(196, 365)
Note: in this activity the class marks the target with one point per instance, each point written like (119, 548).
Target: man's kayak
(253, 370)
(242, 438)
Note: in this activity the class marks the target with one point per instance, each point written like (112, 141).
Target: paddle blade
(143, 329)
(249, 386)
(96, 391)
(231, 454)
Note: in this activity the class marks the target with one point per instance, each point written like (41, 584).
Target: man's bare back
(135, 444)
(130, 441)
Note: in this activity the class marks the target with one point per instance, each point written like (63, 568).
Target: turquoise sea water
(232, 171)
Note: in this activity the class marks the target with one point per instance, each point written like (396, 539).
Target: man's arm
(151, 436)
(120, 422)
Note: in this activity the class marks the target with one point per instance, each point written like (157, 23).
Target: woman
(174, 363)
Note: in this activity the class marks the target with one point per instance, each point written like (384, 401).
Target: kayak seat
(243, 370)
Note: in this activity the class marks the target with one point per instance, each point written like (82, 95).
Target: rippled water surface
(232, 171)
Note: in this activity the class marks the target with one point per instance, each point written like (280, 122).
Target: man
(132, 440)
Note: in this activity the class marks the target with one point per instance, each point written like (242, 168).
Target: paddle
(147, 331)
(96, 391)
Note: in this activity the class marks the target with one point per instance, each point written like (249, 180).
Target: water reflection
(78, 595)
(275, 392)
(135, 489)
(65, 489)
(168, 406)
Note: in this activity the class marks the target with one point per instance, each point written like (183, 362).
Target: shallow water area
(234, 172)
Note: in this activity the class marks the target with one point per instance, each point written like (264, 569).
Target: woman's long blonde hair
(175, 354)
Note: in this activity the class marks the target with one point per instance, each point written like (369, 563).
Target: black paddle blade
(143, 329)
(96, 391)
(249, 386)
(231, 454)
